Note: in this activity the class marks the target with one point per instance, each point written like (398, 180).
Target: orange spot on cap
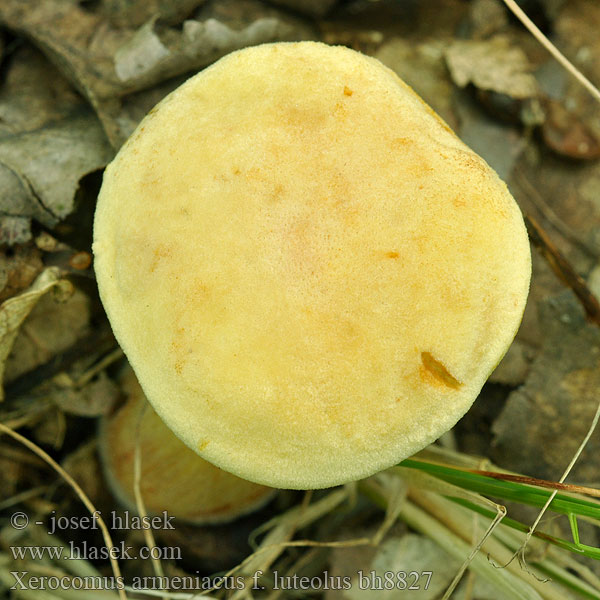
(434, 367)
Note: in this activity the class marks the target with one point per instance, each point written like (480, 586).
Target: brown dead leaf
(49, 139)
(50, 328)
(18, 268)
(106, 63)
(51, 430)
(576, 26)
(487, 17)
(15, 310)
(94, 399)
(40, 170)
(563, 197)
(495, 64)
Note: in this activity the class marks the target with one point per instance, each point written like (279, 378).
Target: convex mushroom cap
(172, 477)
(311, 275)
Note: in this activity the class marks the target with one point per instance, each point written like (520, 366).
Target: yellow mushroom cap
(173, 477)
(311, 275)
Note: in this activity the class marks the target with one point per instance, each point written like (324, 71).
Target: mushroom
(311, 275)
(173, 478)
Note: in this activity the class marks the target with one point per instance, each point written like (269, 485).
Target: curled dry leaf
(50, 328)
(158, 54)
(40, 171)
(15, 310)
(106, 63)
(493, 64)
(94, 399)
(18, 268)
(150, 56)
(49, 139)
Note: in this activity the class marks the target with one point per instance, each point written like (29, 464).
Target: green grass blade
(508, 490)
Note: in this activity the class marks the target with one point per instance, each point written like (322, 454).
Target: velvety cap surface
(173, 477)
(311, 275)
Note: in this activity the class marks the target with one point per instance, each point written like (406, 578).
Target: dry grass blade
(556, 53)
(554, 485)
(137, 492)
(80, 493)
(476, 548)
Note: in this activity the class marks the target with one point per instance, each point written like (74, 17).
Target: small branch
(563, 269)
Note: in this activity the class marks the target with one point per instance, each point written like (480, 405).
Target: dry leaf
(576, 27)
(49, 139)
(157, 54)
(18, 268)
(106, 63)
(40, 170)
(14, 230)
(50, 328)
(492, 64)
(94, 399)
(14, 311)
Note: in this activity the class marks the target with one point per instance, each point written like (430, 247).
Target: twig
(549, 215)
(563, 269)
